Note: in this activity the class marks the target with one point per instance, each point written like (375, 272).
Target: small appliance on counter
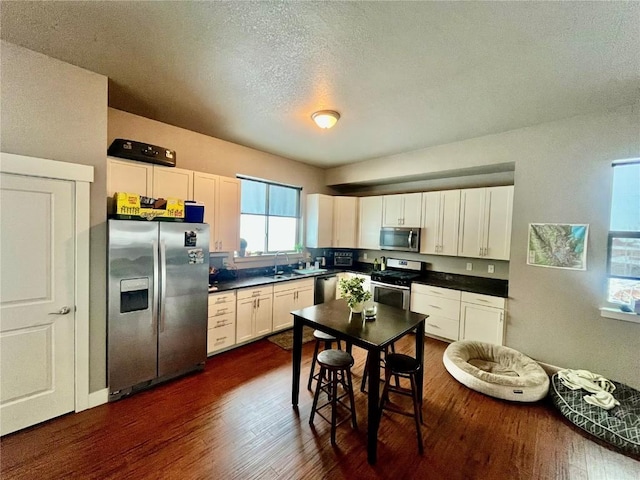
(343, 258)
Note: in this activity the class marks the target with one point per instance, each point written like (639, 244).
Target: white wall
(211, 155)
(563, 175)
(53, 110)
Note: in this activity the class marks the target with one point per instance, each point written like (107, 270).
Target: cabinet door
(430, 238)
(283, 303)
(370, 222)
(205, 191)
(412, 210)
(172, 182)
(129, 177)
(319, 220)
(304, 299)
(263, 315)
(244, 319)
(449, 221)
(470, 236)
(483, 324)
(392, 210)
(499, 206)
(227, 223)
(345, 214)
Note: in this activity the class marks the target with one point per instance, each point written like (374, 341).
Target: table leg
(420, 357)
(373, 419)
(296, 360)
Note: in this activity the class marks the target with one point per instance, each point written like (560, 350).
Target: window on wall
(269, 215)
(624, 235)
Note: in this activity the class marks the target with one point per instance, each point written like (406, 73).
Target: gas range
(400, 273)
(394, 277)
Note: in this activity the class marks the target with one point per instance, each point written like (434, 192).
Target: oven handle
(386, 285)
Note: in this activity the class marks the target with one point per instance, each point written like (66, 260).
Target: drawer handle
(432, 325)
(436, 307)
(435, 293)
(482, 300)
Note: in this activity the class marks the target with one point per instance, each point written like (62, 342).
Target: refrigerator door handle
(156, 272)
(163, 282)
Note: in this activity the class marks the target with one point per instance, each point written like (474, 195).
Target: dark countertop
(466, 283)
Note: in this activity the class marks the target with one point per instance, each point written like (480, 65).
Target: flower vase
(357, 307)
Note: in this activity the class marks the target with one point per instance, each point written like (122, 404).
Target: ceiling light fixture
(325, 118)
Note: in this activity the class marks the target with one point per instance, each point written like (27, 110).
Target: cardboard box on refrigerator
(131, 206)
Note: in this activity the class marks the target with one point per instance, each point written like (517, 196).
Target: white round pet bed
(498, 371)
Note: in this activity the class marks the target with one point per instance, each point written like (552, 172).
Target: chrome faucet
(275, 262)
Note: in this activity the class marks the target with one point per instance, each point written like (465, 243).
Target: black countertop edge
(485, 286)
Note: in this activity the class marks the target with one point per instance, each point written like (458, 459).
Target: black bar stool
(335, 368)
(320, 337)
(365, 375)
(403, 366)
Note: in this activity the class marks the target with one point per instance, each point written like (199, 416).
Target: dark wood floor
(235, 420)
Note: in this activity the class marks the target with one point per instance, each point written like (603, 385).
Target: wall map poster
(558, 245)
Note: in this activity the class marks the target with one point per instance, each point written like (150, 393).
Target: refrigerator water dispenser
(134, 294)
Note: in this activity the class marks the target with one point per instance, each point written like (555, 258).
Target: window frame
(267, 215)
(612, 309)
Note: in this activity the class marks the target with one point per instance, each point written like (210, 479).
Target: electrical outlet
(491, 269)
(365, 255)
(469, 266)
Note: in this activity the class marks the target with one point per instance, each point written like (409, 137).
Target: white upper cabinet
(345, 216)
(129, 177)
(403, 210)
(148, 180)
(440, 218)
(172, 182)
(319, 221)
(220, 195)
(485, 222)
(369, 222)
(221, 199)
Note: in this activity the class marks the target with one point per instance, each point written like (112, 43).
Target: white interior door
(37, 305)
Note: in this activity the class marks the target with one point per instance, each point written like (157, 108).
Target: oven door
(393, 295)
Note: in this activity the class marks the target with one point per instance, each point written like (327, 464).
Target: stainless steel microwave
(399, 238)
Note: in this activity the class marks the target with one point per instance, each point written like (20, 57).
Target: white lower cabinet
(290, 296)
(221, 332)
(443, 307)
(482, 318)
(253, 312)
(456, 315)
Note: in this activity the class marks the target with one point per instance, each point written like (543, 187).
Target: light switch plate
(469, 266)
(491, 269)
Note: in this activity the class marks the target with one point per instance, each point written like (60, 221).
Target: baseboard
(99, 397)
(549, 369)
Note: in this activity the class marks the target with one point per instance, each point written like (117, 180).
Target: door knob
(63, 311)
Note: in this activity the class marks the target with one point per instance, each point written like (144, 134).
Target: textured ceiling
(403, 75)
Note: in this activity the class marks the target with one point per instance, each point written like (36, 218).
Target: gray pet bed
(619, 426)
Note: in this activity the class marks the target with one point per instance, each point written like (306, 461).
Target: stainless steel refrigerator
(158, 279)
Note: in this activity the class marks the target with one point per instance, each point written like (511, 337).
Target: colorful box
(131, 206)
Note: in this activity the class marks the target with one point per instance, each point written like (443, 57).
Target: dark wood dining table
(335, 318)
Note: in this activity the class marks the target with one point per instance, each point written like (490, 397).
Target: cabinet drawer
(222, 298)
(442, 327)
(245, 293)
(435, 291)
(293, 285)
(222, 337)
(222, 309)
(222, 320)
(486, 300)
(441, 307)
